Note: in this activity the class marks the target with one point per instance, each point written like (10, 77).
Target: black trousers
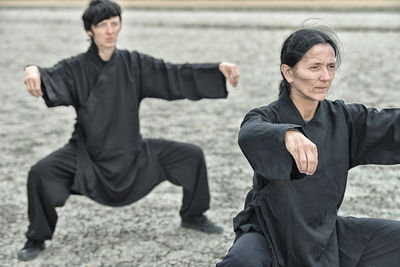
(50, 180)
(383, 249)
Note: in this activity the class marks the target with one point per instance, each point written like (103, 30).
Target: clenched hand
(303, 151)
(231, 72)
(32, 80)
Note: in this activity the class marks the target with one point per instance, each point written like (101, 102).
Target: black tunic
(296, 213)
(106, 96)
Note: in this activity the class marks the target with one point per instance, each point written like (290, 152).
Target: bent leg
(184, 165)
(383, 249)
(249, 250)
(49, 183)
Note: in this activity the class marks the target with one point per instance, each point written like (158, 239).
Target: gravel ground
(147, 233)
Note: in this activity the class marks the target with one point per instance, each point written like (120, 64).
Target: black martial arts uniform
(106, 158)
(291, 219)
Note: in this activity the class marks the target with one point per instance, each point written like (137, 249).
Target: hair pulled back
(99, 10)
(298, 44)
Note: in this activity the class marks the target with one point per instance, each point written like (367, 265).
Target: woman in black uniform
(301, 148)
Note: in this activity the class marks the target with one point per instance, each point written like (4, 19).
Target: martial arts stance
(301, 148)
(107, 159)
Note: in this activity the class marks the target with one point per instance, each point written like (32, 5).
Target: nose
(325, 75)
(109, 28)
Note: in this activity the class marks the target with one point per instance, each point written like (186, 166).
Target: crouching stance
(107, 159)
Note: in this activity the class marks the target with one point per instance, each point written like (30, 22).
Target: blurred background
(250, 33)
(239, 4)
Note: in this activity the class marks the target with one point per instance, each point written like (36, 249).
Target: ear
(287, 73)
(90, 33)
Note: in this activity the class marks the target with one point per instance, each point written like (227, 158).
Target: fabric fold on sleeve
(263, 144)
(375, 135)
(169, 81)
(57, 85)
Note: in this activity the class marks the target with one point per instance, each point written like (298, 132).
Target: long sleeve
(374, 135)
(58, 85)
(178, 81)
(262, 142)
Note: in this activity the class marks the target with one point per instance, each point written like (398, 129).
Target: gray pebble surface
(147, 233)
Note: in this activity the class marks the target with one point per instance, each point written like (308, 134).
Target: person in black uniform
(107, 159)
(301, 148)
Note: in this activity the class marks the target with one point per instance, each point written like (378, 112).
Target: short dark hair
(299, 42)
(99, 10)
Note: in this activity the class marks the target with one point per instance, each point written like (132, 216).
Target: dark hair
(99, 10)
(299, 42)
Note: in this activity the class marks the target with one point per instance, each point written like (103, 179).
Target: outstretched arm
(160, 79)
(32, 80)
(374, 135)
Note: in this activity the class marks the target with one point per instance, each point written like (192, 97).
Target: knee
(34, 178)
(37, 170)
(196, 152)
(249, 250)
(37, 173)
(234, 260)
(394, 229)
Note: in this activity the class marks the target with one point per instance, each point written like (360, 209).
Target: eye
(100, 25)
(314, 67)
(332, 67)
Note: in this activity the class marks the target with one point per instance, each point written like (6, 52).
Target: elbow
(244, 138)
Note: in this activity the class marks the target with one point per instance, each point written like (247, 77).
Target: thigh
(52, 177)
(61, 164)
(383, 248)
(178, 160)
(250, 249)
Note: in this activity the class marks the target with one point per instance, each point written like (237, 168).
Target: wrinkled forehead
(320, 53)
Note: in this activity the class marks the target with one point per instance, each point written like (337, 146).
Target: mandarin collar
(93, 51)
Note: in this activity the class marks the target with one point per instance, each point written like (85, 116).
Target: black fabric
(106, 96)
(382, 248)
(297, 214)
(50, 181)
(250, 250)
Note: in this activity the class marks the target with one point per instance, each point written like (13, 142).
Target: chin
(319, 97)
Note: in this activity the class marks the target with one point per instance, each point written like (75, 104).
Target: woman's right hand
(32, 80)
(303, 151)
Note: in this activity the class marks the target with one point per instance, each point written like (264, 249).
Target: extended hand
(303, 151)
(32, 80)
(230, 71)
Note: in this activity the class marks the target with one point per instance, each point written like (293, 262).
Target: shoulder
(350, 112)
(133, 57)
(66, 64)
(72, 62)
(341, 105)
(269, 111)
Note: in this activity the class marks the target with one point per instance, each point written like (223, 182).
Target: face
(312, 76)
(105, 33)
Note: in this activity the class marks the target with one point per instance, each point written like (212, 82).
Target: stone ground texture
(147, 233)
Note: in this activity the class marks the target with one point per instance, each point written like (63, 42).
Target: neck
(307, 108)
(105, 53)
